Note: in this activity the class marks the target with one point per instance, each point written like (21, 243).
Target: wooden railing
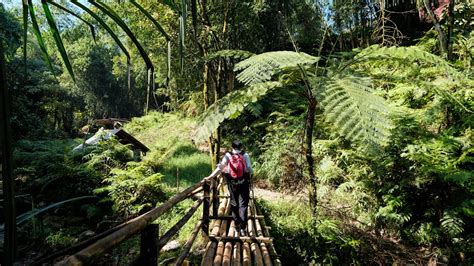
(88, 250)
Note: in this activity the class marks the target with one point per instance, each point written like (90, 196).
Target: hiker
(237, 171)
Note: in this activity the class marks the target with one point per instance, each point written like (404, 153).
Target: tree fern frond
(262, 67)
(231, 105)
(356, 112)
(235, 54)
(451, 224)
(408, 54)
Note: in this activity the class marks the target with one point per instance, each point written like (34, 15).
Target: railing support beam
(205, 208)
(149, 245)
(215, 197)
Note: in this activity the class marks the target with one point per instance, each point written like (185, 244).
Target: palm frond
(263, 67)
(77, 16)
(116, 18)
(153, 20)
(39, 37)
(358, 114)
(111, 33)
(57, 38)
(231, 106)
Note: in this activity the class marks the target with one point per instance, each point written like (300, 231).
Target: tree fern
(235, 54)
(263, 67)
(408, 54)
(357, 113)
(451, 225)
(231, 105)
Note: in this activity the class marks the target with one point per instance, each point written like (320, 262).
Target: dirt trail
(274, 195)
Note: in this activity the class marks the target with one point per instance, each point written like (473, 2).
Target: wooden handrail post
(149, 245)
(205, 208)
(215, 197)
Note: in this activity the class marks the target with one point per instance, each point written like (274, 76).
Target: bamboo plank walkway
(225, 246)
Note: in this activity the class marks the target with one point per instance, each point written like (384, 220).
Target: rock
(172, 245)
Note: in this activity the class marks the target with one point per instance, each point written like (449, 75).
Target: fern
(263, 67)
(407, 55)
(358, 114)
(231, 105)
(235, 54)
(451, 225)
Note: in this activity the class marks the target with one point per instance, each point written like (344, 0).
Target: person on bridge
(237, 171)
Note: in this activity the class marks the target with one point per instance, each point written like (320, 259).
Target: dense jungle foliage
(362, 111)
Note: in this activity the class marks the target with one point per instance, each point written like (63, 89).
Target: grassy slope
(172, 153)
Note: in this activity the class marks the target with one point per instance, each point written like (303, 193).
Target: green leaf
(39, 37)
(77, 16)
(235, 54)
(232, 105)
(150, 17)
(28, 215)
(357, 113)
(111, 33)
(57, 39)
(115, 17)
(263, 67)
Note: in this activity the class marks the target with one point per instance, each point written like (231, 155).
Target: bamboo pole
(236, 255)
(173, 230)
(217, 223)
(257, 254)
(266, 256)
(219, 253)
(215, 198)
(220, 246)
(271, 247)
(228, 246)
(189, 244)
(207, 259)
(246, 257)
(248, 239)
(129, 230)
(205, 208)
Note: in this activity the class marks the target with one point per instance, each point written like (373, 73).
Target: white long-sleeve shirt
(225, 160)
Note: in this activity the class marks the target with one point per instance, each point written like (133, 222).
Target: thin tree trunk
(308, 150)
(9, 246)
(439, 30)
(449, 46)
(308, 144)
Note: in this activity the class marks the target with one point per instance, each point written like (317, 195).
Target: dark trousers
(239, 201)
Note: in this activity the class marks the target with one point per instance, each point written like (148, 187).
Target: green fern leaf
(235, 54)
(263, 67)
(451, 224)
(407, 55)
(232, 103)
(357, 113)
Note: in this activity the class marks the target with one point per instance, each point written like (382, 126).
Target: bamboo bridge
(224, 245)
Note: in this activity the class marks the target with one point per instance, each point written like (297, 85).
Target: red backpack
(237, 166)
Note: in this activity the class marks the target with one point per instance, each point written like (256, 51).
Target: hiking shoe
(243, 232)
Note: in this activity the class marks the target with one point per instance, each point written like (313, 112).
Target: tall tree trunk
(439, 30)
(9, 244)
